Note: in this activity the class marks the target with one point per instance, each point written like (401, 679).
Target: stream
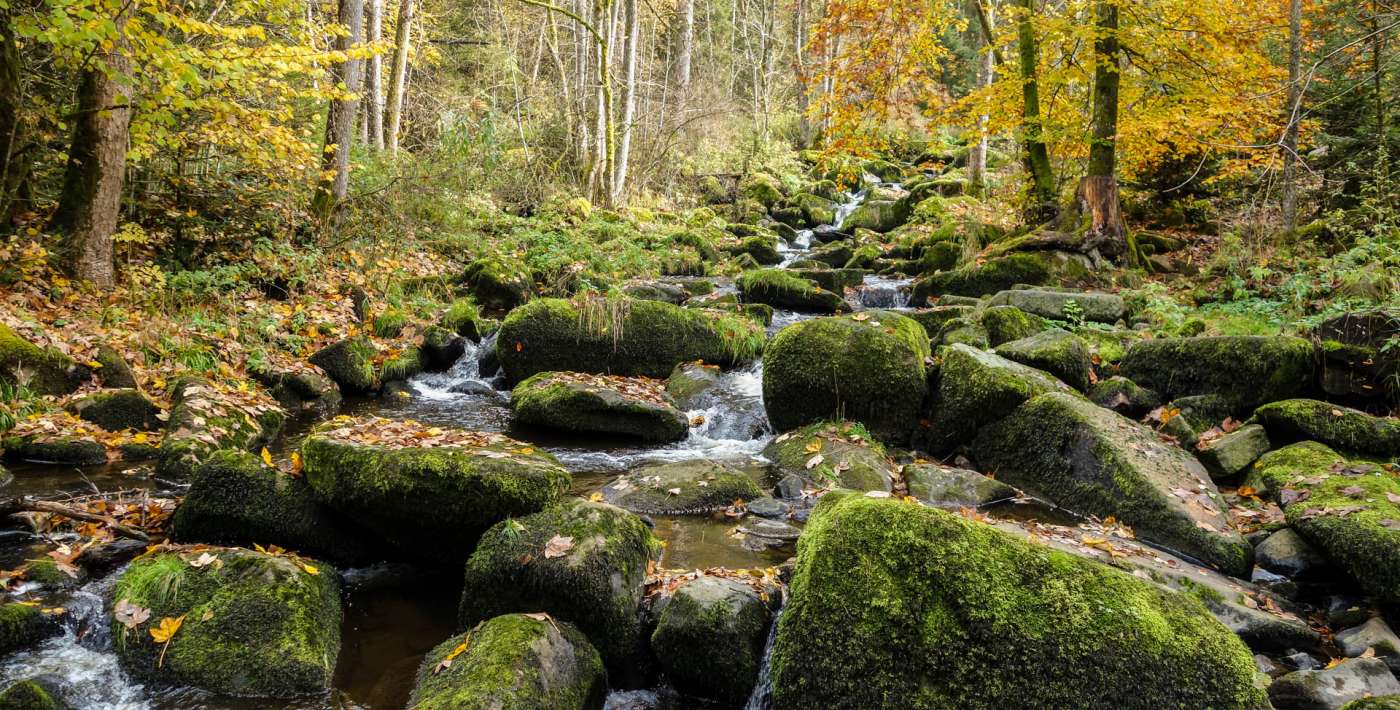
(393, 615)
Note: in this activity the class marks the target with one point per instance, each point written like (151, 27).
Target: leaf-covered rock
(606, 404)
(349, 362)
(681, 488)
(206, 417)
(827, 455)
(1339, 427)
(709, 639)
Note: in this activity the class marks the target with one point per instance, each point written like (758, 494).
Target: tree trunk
(686, 43)
(629, 100)
(334, 182)
(1292, 113)
(1097, 196)
(986, 73)
(92, 183)
(374, 87)
(805, 134)
(1037, 158)
(14, 143)
(398, 74)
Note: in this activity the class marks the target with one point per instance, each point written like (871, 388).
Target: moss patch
(681, 488)
(1245, 370)
(41, 370)
(1340, 427)
(637, 407)
(784, 289)
(709, 639)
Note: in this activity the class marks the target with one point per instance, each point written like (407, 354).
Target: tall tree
(685, 46)
(1097, 195)
(1041, 205)
(629, 99)
(398, 74)
(986, 73)
(14, 143)
(334, 181)
(93, 180)
(1293, 111)
(374, 85)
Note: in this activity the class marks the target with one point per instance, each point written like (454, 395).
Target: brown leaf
(558, 546)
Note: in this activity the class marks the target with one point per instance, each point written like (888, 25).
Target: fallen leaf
(167, 627)
(130, 615)
(266, 456)
(815, 461)
(558, 546)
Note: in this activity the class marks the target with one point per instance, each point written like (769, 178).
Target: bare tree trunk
(92, 183)
(683, 51)
(805, 133)
(340, 120)
(986, 73)
(14, 143)
(374, 87)
(1292, 113)
(398, 74)
(1037, 157)
(1097, 196)
(629, 100)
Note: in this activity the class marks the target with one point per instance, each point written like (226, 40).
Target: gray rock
(1227, 455)
(1373, 635)
(767, 507)
(709, 639)
(681, 488)
(1096, 307)
(953, 487)
(1331, 688)
(1287, 553)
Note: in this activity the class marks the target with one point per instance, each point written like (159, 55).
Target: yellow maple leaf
(266, 456)
(310, 569)
(167, 627)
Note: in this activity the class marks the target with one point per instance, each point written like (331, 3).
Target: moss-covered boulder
(868, 367)
(1007, 323)
(22, 626)
(113, 368)
(428, 490)
(115, 410)
(620, 337)
(833, 280)
(205, 417)
(605, 404)
(983, 279)
(440, 348)
(1229, 454)
(949, 487)
(834, 254)
(709, 639)
(877, 215)
(1055, 351)
(681, 488)
(962, 331)
(815, 208)
(894, 605)
(236, 499)
(976, 388)
(464, 318)
(690, 381)
(497, 284)
(784, 289)
(350, 363)
(761, 188)
(301, 390)
(29, 695)
(932, 319)
(74, 450)
(1065, 305)
(40, 370)
(832, 455)
(1124, 396)
(1384, 702)
(250, 623)
(1093, 461)
(1336, 426)
(512, 662)
(579, 561)
(1246, 371)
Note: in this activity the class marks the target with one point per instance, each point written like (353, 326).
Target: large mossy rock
(432, 492)
(22, 626)
(512, 662)
(1246, 371)
(496, 284)
(709, 639)
(606, 404)
(1076, 454)
(868, 367)
(984, 279)
(205, 418)
(40, 370)
(116, 410)
(236, 499)
(1065, 306)
(783, 289)
(976, 388)
(894, 605)
(1058, 352)
(1004, 324)
(947, 487)
(30, 695)
(252, 623)
(620, 337)
(349, 363)
(877, 215)
(1339, 427)
(681, 488)
(300, 390)
(841, 455)
(579, 561)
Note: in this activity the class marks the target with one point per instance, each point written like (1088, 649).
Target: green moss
(22, 626)
(1277, 469)
(1245, 370)
(761, 188)
(350, 362)
(116, 410)
(512, 662)
(45, 571)
(896, 605)
(932, 319)
(833, 280)
(689, 380)
(596, 583)
(1007, 323)
(28, 695)
(868, 368)
(41, 370)
(1096, 462)
(497, 284)
(1111, 346)
(878, 216)
(432, 503)
(401, 366)
(963, 331)
(191, 428)
(549, 400)
(1384, 702)
(464, 319)
(681, 488)
(1055, 351)
(709, 639)
(253, 624)
(976, 388)
(781, 288)
(984, 279)
(1339, 427)
(850, 457)
(623, 337)
(389, 323)
(79, 452)
(864, 257)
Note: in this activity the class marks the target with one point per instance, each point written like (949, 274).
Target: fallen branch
(44, 506)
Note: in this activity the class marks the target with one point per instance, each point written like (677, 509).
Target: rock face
(236, 499)
(512, 662)
(970, 617)
(620, 337)
(782, 289)
(1091, 460)
(681, 488)
(984, 279)
(636, 407)
(840, 456)
(1232, 453)
(586, 564)
(976, 388)
(709, 639)
(1339, 427)
(116, 410)
(253, 623)
(42, 370)
(1334, 687)
(868, 367)
(1096, 307)
(1246, 371)
(953, 487)
(349, 362)
(432, 499)
(1057, 352)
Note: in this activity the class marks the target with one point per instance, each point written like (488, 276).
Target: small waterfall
(849, 205)
(762, 696)
(881, 292)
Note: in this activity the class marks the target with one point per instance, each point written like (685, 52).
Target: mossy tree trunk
(95, 175)
(1041, 206)
(334, 182)
(14, 143)
(1097, 196)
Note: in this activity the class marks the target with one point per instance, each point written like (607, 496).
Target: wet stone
(1374, 635)
(767, 508)
(1331, 688)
